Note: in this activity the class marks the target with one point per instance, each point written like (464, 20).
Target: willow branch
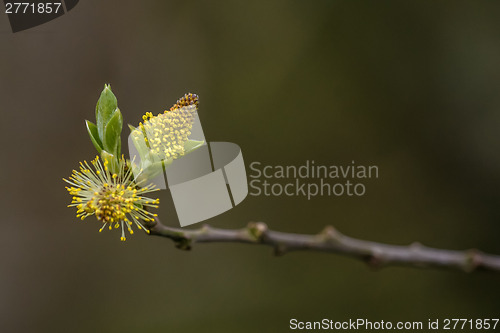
(330, 240)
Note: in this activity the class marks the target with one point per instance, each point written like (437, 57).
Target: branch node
(473, 260)
(374, 259)
(329, 233)
(257, 230)
(416, 247)
(205, 229)
(183, 244)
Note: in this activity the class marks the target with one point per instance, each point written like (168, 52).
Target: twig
(330, 240)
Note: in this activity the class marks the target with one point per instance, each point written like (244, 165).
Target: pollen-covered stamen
(123, 238)
(186, 100)
(112, 198)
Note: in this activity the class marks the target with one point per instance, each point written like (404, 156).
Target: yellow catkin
(114, 199)
(166, 133)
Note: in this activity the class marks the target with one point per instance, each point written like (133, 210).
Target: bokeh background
(410, 86)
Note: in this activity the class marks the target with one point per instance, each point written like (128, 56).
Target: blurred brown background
(410, 86)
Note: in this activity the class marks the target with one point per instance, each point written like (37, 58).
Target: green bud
(94, 135)
(106, 133)
(112, 133)
(104, 110)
